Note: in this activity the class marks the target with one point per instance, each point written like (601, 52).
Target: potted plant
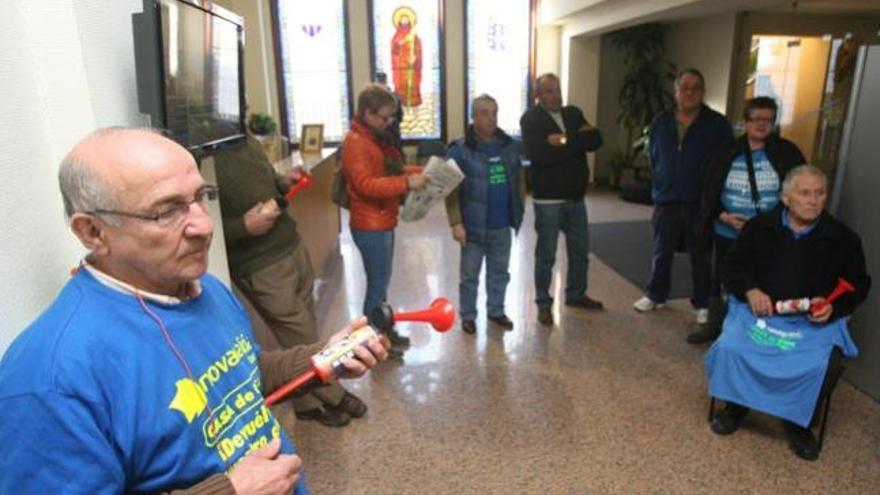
(645, 89)
(262, 124)
(263, 127)
(617, 163)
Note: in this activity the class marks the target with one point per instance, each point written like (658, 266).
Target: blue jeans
(377, 252)
(571, 218)
(672, 223)
(496, 250)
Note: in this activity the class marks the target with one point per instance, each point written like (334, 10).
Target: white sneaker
(645, 304)
(702, 316)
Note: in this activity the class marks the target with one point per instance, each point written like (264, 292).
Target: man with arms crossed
(556, 140)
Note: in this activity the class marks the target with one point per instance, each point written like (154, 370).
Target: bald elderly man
(143, 375)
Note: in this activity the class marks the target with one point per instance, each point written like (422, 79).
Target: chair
(836, 365)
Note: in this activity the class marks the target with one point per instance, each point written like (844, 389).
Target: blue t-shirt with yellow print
(94, 400)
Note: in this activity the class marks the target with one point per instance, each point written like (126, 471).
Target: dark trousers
(672, 224)
(717, 303)
(723, 245)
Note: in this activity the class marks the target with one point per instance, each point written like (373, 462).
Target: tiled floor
(604, 402)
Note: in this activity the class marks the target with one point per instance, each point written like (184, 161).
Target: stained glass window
(406, 45)
(499, 55)
(314, 66)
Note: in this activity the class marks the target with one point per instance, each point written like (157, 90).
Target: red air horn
(441, 316)
(325, 364)
(843, 286)
(304, 183)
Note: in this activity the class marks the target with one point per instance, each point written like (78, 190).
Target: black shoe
(397, 340)
(801, 441)
(395, 352)
(585, 302)
(703, 335)
(469, 327)
(545, 316)
(727, 420)
(502, 321)
(351, 405)
(327, 416)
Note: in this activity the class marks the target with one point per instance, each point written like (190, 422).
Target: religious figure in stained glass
(406, 57)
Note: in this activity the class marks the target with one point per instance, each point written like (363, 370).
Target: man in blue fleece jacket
(681, 141)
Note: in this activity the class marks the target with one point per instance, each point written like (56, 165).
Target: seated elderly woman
(776, 363)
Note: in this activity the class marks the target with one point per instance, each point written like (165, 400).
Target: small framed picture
(312, 138)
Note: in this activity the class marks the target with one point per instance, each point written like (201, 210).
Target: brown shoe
(351, 405)
(585, 302)
(545, 316)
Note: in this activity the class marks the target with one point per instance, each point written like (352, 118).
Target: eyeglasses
(172, 215)
(760, 120)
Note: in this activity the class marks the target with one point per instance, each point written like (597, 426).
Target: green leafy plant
(261, 124)
(617, 162)
(645, 89)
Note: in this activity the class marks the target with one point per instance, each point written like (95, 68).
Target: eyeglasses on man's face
(170, 216)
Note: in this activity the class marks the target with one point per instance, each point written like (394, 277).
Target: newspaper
(443, 177)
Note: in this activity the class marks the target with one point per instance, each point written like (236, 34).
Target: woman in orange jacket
(377, 180)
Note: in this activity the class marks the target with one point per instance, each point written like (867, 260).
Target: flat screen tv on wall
(189, 56)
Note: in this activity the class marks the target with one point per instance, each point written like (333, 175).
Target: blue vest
(474, 190)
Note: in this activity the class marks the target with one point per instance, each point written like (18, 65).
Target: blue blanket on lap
(774, 364)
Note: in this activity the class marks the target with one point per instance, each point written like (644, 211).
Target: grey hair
(483, 98)
(82, 190)
(543, 77)
(693, 72)
(800, 170)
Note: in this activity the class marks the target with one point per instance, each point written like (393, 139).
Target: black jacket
(768, 257)
(783, 155)
(558, 172)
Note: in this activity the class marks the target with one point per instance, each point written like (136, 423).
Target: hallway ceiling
(597, 16)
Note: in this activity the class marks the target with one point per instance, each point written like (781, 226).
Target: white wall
(547, 49)
(66, 67)
(580, 78)
(706, 43)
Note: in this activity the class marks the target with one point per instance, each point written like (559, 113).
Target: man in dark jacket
(483, 209)
(777, 364)
(742, 179)
(556, 139)
(681, 140)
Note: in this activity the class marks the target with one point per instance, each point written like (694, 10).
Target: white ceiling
(597, 16)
